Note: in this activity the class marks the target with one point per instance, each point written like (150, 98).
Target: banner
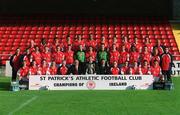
(90, 82)
(176, 68)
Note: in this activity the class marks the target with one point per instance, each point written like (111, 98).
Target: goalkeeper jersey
(80, 55)
(102, 55)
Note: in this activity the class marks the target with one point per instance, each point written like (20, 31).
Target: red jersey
(66, 43)
(155, 71)
(134, 56)
(42, 70)
(54, 47)
(138, 47)
(27, 59)
(53, 70)
(33, 70)
(111, 43)
(131, 71)
(114, 56)
(91, 54)
(166, 60)
(155, 58)
(46, 56)
(114, 70)
(69, 56)
(149, 46)
(77, 43)
(135, 70)
(145, 56)
(127, 46)
(37, 57)
(144, 70)
(91, 43)
(124, 70)
(23, 72)
(42, 47)
(63, 70)
(104, 42)
(31, 49)
(123, 57)
(58, 57)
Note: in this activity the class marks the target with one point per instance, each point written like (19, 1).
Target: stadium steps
(18, 32)
(176, 32)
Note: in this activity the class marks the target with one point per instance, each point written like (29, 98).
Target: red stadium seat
(33, 32)
(48, 28)
(79, 28)
(156, 32)
(117, 28)
(130, 28)
(161, 28)
(169, 32)
(149, 28)
(164, 36)
(172, 41)
(73, 28)
(117, 32)
(150, 32)
(177, 58)
(28, 28)
(170, 36)
(73, 32)
(54, 28)
(111, 28)
(104, 32)
(104, 28)
(130, 32)
(20, 34)
(27, 32)
(35, 28)
(155, 28)
(143, 28)
(163, 32)
(143, 32)
(41, 28)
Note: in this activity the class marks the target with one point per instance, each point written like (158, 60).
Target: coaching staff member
(166, 64)
(15, 63)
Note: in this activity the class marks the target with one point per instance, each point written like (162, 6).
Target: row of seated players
(89, 68)
(43, 52)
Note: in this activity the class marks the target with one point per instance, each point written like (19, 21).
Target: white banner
(176, 68)
(89, 82)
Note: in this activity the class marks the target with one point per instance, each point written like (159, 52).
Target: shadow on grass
(4, 86)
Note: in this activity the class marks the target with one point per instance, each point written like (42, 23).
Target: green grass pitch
(91, 102)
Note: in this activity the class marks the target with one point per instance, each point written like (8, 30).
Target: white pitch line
(23, 105)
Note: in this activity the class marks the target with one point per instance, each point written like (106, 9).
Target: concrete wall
(176, 9)
(137, 8)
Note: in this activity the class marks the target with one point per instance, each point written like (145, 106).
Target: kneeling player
(33, 68)
(23, 74)
(156, 71)
(53, 68)
(125, 68)
(43, 70)
(63, 70)
(144, 70)
(115, 70)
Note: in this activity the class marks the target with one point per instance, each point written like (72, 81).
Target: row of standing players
(76, 57)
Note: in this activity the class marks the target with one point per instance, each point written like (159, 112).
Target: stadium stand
(18, 31)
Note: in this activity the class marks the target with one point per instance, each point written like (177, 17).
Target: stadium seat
(13, 36)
